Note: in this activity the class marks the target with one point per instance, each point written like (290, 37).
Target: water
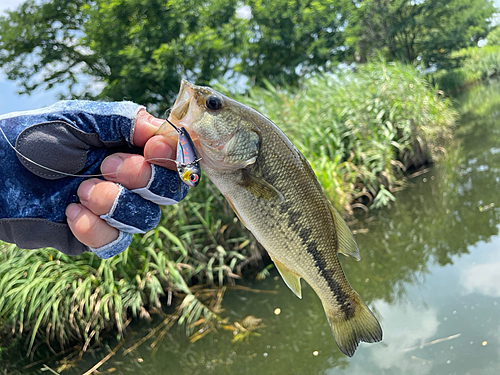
(429, 271)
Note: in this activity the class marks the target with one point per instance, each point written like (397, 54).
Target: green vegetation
(475, 64)
(65, 299)
(140, 49)
(427, 31)
(361, 131)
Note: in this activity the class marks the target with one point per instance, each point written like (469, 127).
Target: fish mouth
(181, 108)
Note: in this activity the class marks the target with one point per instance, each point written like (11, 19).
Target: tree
(408, 30)
(292, 37)
(139, 49)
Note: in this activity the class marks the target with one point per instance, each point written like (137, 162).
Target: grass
(46, 296)
(361, 131)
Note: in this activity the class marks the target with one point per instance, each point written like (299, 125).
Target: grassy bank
(474, 64)
(361, 132)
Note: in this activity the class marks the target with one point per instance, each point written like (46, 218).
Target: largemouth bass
(274, 192)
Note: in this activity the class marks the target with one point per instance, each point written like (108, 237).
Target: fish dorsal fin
(346, 242)
(291, 279)
(259, 187)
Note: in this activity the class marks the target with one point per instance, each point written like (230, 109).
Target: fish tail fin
(359, 325)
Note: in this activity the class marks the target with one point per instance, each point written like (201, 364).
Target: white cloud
(406, 327)
(482, 278)
(9, 4)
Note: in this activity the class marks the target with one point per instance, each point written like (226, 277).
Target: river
(430, 266)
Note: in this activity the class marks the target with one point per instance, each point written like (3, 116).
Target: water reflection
(428, 269)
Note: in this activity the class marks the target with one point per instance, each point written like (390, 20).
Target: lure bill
(187, 162)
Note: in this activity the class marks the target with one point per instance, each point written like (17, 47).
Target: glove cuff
(113, 248)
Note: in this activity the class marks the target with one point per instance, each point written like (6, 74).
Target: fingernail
(85, 189)
(72, 211)
(110, 167)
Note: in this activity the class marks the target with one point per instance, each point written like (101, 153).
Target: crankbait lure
(187, 162)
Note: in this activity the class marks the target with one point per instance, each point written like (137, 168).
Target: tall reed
(474, 64)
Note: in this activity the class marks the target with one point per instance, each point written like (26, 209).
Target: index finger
(146, 126)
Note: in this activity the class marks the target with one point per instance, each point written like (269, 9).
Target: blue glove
(72, 137)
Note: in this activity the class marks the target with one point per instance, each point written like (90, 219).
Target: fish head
(224, 134)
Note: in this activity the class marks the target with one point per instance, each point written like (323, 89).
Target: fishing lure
(187, 162)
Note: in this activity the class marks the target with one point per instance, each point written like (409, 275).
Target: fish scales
(274, 191)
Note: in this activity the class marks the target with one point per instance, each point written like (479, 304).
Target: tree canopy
(140, 49)
(407, 30)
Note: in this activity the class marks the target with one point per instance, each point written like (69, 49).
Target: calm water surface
(430, 271)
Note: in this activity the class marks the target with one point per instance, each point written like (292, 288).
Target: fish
(274, 192)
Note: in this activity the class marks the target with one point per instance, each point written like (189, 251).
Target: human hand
(74, 137)
(129, 170)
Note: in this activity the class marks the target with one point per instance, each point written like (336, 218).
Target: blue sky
(11, 101)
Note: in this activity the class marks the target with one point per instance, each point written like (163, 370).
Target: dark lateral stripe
(304, 234)
(342, 298)
(293, 217)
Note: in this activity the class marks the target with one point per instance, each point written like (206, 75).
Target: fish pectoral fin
(259, 187)
(346, 242)
(291, 279)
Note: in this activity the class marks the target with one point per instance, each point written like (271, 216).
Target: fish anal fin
(291, 279)
(259, 187)
(346, 242)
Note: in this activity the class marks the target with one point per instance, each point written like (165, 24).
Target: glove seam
(153, 173)
(115, 203)
(108, 245)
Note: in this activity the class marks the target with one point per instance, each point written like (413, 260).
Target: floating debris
(277, 311)
(433, 342)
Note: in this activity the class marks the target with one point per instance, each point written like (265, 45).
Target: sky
(10, 101)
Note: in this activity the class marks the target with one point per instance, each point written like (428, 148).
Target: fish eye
(193, 177)
(213, 103)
